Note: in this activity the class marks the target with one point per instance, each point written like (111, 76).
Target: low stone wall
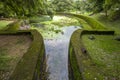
(27, 67)
(94, 24)
(79, 59)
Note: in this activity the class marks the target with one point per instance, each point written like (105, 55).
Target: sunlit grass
(113, 25)
(4, 23)
(57, 18)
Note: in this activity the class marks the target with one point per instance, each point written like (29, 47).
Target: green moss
(13, 26)
(90, 69)
(74, 66)
(94, 24)
(103, 54)
(26, 67)
(84, 24)
(4, 23)
(4, 59)
(112, 25)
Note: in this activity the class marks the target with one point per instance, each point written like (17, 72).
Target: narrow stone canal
(57, 54)
(56, 40)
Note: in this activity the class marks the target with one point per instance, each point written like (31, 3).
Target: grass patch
(113, 25)
(4, 59)
(4, 23)
(13, 26)
(86, 66)
(105, 56)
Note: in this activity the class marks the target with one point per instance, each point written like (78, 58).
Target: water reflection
(57, 53)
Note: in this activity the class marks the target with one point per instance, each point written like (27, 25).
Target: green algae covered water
(56, 40)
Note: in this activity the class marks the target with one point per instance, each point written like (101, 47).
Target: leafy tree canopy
(21, 7)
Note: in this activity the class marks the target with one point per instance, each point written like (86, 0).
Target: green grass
(113, 25)
(85, 25)
(4, 59)
(105, 53)
(104, 50)
(4, 23)
(86, 66)
(13, 26)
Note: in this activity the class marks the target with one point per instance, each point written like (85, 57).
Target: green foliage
(22, 7)
(114, 12)
(83, 6)
(62, 5)
(97, 5)
(110, 7)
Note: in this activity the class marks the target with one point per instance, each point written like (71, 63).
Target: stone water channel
(56, 49)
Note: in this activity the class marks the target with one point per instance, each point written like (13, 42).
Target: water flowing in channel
(56, 34)
(57, 54)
